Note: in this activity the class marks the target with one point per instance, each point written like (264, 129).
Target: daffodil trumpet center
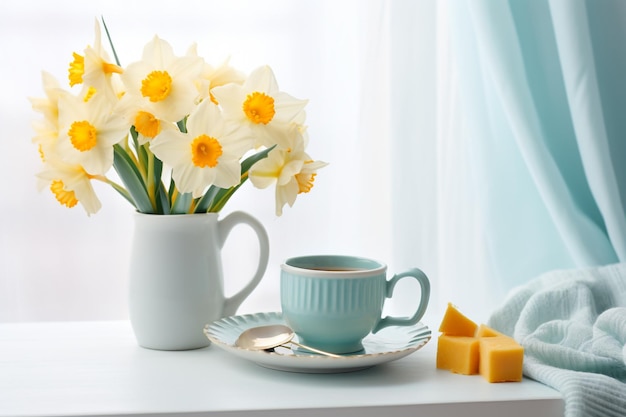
(109, 68)
(259, 108)
(147, 124)
(76, 70)
(205, 151)
(91, 91)
(63, 196)
(156, 86)
(305, 181)
(213, 99)
(83, 135)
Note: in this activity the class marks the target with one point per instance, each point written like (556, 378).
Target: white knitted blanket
(572, 325)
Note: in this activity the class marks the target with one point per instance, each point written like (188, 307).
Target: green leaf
(207, 199)
(135, 135)
(132, 179)
(181, 204)
(172, 190)
(124, 193)
(142, 154)
(158, 170)
(216, 198)
(117, 61)
(182, 125)
(162, 201)
(253, 159)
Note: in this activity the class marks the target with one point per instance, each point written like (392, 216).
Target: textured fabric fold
(572, 324)
(502, 28)
(574, 40)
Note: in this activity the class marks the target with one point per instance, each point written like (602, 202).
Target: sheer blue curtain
(544, 87)
(521, 156)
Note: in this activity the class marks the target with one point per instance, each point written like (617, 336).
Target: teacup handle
(231, 304)
(422, 279)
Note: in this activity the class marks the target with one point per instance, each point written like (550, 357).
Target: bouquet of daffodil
(181, 135)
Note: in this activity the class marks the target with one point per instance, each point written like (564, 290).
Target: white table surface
(97, 369)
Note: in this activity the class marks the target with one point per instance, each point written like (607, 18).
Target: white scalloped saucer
(387, 345)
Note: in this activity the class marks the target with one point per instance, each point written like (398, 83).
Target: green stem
(193, 205)
(218, 205)
(132, 178)
(150, 183)
(174, 196)
(117, 187)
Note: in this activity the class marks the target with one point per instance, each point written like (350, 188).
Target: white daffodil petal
(289, 109)
(262, 79)
(289, 170)
(272, 134)
(134, 75)
(172, 147)
(230, 98)
(313, 166)
(267, 171)
(286, 195)
(205, 119)
(229, 174)
(158, 52)
(190, 179)
(262, 179)
(186, 67)
(87, 197)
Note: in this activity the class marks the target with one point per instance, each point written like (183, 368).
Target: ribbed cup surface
(332, 296)
(333, 314)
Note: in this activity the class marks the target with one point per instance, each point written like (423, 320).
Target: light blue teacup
(332, 302)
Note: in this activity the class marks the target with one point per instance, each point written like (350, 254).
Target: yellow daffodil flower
(219, 76)
(70, 184)
(291, 169)
(48, 106)
(46, 136)
(87, 132)
(141, 115)
(46, 130)
(162, 84)
(208, 154)
(98, 68)
(212, 77)
(259, 104)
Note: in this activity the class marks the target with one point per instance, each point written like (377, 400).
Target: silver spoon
(269, 337)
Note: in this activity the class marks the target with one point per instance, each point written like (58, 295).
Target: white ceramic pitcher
(176, 278)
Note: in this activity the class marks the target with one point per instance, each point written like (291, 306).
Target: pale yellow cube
(458, 354)
(454, 323)
(501, 359)
(486, 331)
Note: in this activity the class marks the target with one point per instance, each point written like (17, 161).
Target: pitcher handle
(225, 225)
